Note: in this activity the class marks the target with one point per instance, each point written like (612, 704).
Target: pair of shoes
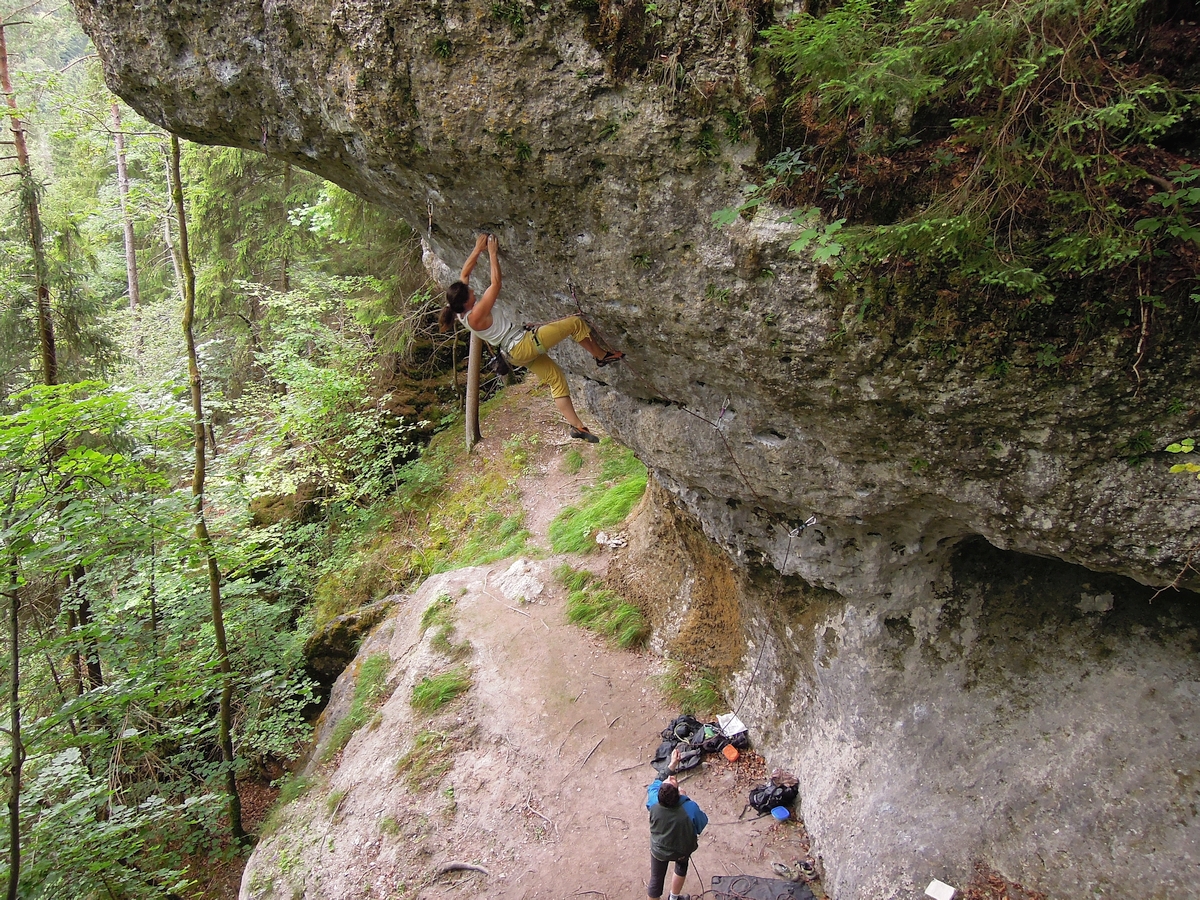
(784, 871)
(609, 358)
(582, 434)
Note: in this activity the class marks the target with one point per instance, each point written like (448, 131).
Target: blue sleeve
(696, 814)
(652, 793)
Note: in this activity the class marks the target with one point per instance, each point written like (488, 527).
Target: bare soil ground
(546, 757)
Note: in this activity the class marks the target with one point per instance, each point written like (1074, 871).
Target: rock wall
(596, 138)
(1022, 714)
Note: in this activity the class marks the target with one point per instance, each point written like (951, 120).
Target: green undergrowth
(435, 691)
(447, 513)
(431, 756)
(369, 690)
(693, 689)
(621, 485)
(599, 609)
(1026, 167)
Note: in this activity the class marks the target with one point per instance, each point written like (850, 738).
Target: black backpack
(782, 790)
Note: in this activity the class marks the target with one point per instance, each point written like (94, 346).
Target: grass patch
(622, 483)
(292, 788)
(601, 610)
(691, 688)
(519, 448)
(491, 536)
(435, 691)
(572, 462)
(370, 688)
(334, 800)
(430, 758)
(389, 826)
(438, 613)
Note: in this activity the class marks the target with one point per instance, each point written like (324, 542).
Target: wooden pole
(474, 363)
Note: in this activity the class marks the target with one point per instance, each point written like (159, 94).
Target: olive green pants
(530, 351)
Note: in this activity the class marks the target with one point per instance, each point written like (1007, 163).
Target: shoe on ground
(582, 434)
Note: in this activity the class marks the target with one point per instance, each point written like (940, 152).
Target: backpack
(782, 790)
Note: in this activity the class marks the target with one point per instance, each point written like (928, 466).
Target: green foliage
(692, 689)
(370, 689)
(623, 481)
(596, 608)
(81, 844)
(435, 691)
(431, 756)
(511, 14)
(1187, 445)
(1033, 123)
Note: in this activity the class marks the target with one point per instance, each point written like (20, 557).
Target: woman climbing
(524, 346)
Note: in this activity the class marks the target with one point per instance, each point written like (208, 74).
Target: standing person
(525, 347)
(676, 822)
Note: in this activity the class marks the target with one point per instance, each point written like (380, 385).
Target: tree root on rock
(460, 867)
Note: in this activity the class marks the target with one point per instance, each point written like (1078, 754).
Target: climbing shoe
(609, 358)
(784, 871)
(582, 434)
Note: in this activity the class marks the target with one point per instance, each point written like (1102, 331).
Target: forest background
(320, 378)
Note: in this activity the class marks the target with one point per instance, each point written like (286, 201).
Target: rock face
(1024, 714)
(596, 138)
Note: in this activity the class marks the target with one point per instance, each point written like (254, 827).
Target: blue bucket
(780, 813)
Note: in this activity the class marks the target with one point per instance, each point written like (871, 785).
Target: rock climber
(523, 346)
(676, 822)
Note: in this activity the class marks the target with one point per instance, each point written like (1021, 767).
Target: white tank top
(502, 333)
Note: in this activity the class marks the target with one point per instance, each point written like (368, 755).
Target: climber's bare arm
(480, 316)
(469, 265)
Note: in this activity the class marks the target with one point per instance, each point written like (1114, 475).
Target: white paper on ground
(730, 724)
(939, 890)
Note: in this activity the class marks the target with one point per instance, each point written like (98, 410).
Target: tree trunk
(131, 275)
(474, 362)
(14, 711)
(90, 674)
(168, 239)
(224, 715)
(285, 275)
(29, 191)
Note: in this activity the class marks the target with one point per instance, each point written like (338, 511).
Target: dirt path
(547, 754)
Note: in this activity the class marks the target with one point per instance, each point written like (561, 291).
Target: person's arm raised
(480, 316)
(469, 265)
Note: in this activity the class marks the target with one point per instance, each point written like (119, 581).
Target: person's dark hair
(668, 794)
(456, 301)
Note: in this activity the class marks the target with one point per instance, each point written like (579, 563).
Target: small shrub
(434, 692)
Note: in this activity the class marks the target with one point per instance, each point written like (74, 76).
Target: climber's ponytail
(456, 301)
